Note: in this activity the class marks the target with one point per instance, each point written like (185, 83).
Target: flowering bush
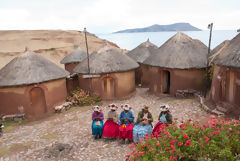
(81, 97)
(219, 140)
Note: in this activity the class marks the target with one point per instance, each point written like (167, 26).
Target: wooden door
(109, 88)
(38, 102)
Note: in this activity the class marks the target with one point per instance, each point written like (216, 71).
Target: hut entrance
(166, 81)
(38, 101)
(109, 88)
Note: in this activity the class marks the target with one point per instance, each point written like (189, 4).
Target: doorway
(38, 102)
(166, 81)
(109, 88)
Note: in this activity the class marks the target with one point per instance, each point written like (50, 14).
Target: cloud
(109, 15)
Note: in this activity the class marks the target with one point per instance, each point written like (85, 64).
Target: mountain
(158, 28)
(238, 30)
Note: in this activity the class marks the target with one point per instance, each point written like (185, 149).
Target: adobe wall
(226, 85)
(179, 79)
(124, 84)
(11, 98)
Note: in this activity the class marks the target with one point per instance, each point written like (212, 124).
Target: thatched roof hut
(225, 90)
(230, 55)
(142, 51)
(111, 76)
(32, 85)
(180, 52)
(30, 68)
(140, 54)
(76, 56)
(106, 60)
(70, 62)
(179, 64)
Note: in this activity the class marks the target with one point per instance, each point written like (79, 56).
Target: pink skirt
(110, 129)
(126, 132)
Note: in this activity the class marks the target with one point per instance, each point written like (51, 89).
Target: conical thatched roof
(217, 50)
(142, 52)
(76, 56)
(106, 60)
(230, 55)
(30, 68)
(180, 52)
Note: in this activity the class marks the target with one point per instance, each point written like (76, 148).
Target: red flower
(158, 143)
(196, 127)
(170, 157)
(179, 144)
(185, 136)
(188, 142)
(172, 142)
(171, 146)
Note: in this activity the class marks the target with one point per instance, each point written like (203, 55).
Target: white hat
(113, 106)
(96, 108)
(126, 107)
(164, 108)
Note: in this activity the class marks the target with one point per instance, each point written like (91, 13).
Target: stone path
(28, 142)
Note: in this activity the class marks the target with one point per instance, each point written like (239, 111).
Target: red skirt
(156, 130)
(110, 129)
(126, 132)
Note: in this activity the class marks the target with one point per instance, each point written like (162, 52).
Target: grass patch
(3, 151)
(10, 125)
(49, 136)
(201, 107)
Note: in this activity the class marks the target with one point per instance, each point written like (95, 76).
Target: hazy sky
(101, 16)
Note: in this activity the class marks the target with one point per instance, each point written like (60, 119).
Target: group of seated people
(123, 127)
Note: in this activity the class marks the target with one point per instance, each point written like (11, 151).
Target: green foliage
(219, 140)
(81, 97)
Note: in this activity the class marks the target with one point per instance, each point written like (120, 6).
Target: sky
(106, 16)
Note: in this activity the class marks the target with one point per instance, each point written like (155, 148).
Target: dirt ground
(28, 141)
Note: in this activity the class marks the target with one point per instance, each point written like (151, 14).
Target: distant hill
(158, 28)
(238, 30)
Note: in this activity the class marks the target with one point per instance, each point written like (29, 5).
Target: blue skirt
(140, 131)
(97, 130)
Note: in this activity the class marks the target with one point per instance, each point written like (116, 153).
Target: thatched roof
(30, 68)
(230, 55)
(180, 52)
(142, 52)
(106, 60)
(217, 50)
(76, 56)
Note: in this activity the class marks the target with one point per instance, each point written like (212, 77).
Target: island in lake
(159, 28)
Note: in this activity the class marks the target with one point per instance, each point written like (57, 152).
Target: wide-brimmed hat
(146, 107)
(164, 108)
(97, 108)
(113, 106)
(126, 107)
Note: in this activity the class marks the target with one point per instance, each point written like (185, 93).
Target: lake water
(131, 40)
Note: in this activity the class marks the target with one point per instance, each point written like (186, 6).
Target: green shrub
(81, 97)
(219, 140)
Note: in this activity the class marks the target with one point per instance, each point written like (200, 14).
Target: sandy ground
(52, 44)
(27, 142)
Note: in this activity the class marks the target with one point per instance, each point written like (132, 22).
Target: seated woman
(143, 124)
(110, 127)
(97, 124)
(165, 117)
(126, 124)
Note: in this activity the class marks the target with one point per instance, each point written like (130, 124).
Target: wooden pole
(208, 54)
(90, 79)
